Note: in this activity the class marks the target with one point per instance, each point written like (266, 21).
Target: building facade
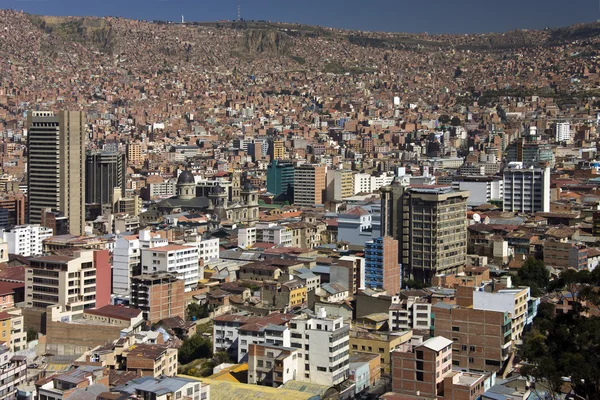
(309, 184)
(382, 270)
(105, 171)
(526, 190)
(56, 166)
(280, 177)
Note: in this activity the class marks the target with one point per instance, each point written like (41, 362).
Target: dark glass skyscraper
(280, 176)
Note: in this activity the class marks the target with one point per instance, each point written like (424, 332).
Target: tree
(457, 72)
(534, 274)
(31, 334)
(444, 119)
(195, 347)
(196, 310)
(455, 121)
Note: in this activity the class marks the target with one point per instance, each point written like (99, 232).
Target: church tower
(236, 187)
(250, 199)
(186, 186)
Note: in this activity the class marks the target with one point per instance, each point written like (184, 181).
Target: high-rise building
(134, 153)
(339, 184)
(562, 131)
(26, 240)
(180, 260)
(309, 184)
(280, 177)
(104, 172)
(56, 166)
(382, 270)
(431, 226)
(277, 150)
(526, 190)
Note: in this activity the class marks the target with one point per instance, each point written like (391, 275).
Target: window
(259, 363)
(269, 364)
(456, 329)
(322, 369)
(354, 347)
(471, 348)
(381, 350)
(420, 376)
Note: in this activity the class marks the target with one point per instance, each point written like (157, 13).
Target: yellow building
(378, 343)
(278, 149)
(281, 295)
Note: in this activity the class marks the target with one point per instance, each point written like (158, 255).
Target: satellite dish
(476, 217)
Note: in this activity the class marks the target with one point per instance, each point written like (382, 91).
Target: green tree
(444, 119)
(31, 334)
(196, 310)
(455, 121)
(534, 274)
(195, 347)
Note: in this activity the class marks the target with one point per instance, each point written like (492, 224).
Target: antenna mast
(239, 12)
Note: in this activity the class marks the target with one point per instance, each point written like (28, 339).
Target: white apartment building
(127, 258)
(265, 233)
(179, 260)
(246, 237)
(562, 131)
(26, 240)
(275, 335)
(325, 345)
(208, 249)
(410, 313)
(526, 190)
(366, 183)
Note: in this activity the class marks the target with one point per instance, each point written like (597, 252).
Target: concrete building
(339, 184)
(12, 329)
(134, 153)
(382, 270)
(14, 373)
(355, 226)
(26, 240)
(105, 171)
(562, 132)
(409, 312)
(481, 339)
(127, 258)
(179, 260)
(482, 189)
(324, 342)
(159, 296)
(378, 343)
(431, 226)
(56, 166)
(309, 184)
(258, 333)
(280, 177)
(526, 190)
(64, 281)
(271, 365)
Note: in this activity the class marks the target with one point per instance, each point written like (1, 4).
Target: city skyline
(435, 17)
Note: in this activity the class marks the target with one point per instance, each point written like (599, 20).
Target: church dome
(218, 189)
(185, 177)
(247, 187)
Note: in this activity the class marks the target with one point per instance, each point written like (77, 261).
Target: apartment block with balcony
(526, 190)
(257, 333)
(409, 312)
(13, 372)
(26, 240)
(68, 281)
(433, 231)
(179, 260)
(325, 345)
(309, 184)
(12, 329)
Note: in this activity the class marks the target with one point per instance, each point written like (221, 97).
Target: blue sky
(433, 16)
